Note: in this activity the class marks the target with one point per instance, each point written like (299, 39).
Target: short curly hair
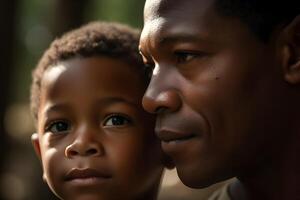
(94, 39)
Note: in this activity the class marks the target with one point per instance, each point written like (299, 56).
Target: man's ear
(36, 144)
(291, 51)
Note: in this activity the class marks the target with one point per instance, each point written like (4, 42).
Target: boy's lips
(85, 174)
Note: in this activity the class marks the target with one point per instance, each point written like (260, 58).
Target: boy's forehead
(53, 72)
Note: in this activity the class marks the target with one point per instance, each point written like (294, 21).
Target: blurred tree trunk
(135, 12)
(69, 14)
(7, 24)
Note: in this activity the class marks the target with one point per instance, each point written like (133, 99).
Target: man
(226, 90)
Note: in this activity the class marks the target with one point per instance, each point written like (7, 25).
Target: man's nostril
(91, 151)
(160, 109)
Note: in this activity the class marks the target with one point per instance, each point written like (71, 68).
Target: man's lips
(175, 143)
(87, 173)
(173, 136)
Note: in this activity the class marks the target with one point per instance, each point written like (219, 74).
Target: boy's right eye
(59, 127)
(116, 120)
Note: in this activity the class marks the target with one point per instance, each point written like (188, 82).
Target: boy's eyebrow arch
(56, 108)
(112, 100)
(105, 101)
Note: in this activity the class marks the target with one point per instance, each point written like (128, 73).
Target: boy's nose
(84, 145)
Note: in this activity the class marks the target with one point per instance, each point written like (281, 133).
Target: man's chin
(198, 179)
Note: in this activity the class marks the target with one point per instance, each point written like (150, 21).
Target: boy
(93, 137)
(225, 87)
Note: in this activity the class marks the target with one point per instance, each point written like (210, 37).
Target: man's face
(95, 140)
(217, 90)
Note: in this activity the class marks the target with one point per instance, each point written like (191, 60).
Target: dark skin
(225, 98)
(94, 139)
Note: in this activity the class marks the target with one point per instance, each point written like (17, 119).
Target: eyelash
(125, 118)
(183, 56)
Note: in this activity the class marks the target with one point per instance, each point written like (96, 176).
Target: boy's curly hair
(94, 39)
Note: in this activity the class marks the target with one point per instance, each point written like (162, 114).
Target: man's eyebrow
(141, 51)
(143, 54)
(179, 37)
(173, 38)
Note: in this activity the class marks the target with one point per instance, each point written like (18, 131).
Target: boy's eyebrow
(111, 100)
(56, 107)
(104, 101)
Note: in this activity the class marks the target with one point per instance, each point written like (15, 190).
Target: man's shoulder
(221, 194)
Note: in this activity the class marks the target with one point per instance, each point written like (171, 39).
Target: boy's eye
(59, 127)
(116, 120)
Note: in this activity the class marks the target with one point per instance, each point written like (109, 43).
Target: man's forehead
(170, 18)
(159, 8)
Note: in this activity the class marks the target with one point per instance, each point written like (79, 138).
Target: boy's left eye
(116, 120)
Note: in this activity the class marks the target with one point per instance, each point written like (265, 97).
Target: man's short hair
(261, 16)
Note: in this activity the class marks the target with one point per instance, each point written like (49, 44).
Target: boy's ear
(36, 144)
(291, 52)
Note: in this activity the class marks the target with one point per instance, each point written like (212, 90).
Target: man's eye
(182, 57)
(58, 127)
(116, 120)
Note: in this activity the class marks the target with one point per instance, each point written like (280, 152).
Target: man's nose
(162, 94)
(86, 144)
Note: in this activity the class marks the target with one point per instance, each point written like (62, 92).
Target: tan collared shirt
(221, 194)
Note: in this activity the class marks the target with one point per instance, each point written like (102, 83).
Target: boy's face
(94, 139)
(218, 91)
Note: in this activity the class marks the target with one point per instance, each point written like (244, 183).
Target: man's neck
(277, 180)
